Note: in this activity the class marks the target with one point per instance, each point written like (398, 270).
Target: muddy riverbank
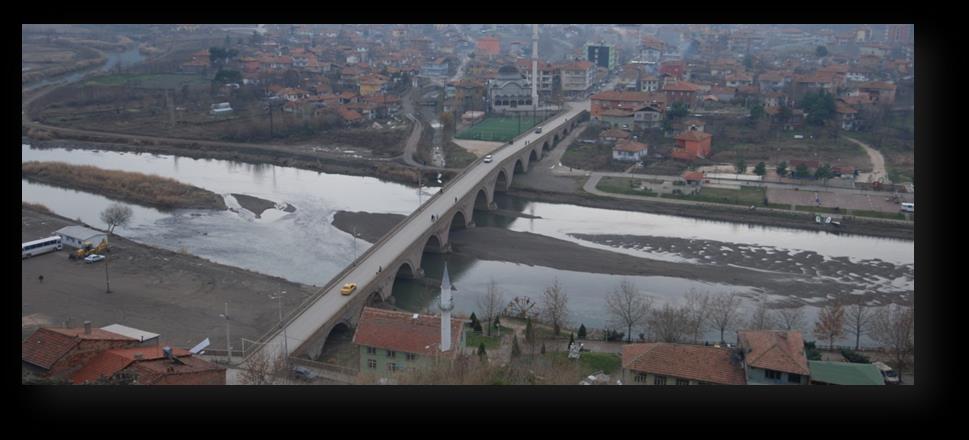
(177, 295)
(138, 188)
(288, 156)
(855, 225)
(805, 277)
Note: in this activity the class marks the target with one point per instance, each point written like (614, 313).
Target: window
(682, 382)
(411, 356)
(392, 366)
(391, 354)
(372, 364)
(771, 374)
(793, 378)
(371, 350)
(640, 377)
(659, 380)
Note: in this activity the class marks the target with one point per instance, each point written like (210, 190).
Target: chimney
(87, 327)
(168, 352)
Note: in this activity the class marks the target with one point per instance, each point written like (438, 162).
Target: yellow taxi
(348, 288)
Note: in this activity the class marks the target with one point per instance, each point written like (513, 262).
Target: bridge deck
(308, 319)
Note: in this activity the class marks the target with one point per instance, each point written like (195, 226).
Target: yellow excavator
(89, 249)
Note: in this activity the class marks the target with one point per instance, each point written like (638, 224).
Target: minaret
(535, 77)
(446, 307)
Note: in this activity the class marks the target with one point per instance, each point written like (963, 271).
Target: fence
(338, 278)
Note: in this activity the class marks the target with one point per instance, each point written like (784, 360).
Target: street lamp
(279, 301)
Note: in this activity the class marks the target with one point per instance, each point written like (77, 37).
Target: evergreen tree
(782, 169)
(760, 169)
(582, 331)
(543, 348)
(481, 350)
(473, 319)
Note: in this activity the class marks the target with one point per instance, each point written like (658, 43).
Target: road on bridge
(302, 326)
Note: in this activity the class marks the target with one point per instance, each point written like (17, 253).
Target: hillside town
(411, 204)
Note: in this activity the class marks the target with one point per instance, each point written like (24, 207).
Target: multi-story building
(391, 341)
(627, 101)
(546, 74)
(578, 76)
(488, 46)
(602, 55)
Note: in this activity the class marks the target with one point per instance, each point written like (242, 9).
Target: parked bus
(37, 247)
(908, 207)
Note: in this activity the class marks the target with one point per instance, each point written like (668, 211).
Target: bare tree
(669, 323)
(490, 303)
(628, 307)
(894, 327)
(791, 318)
(724, 312)
(831, 323)
(116, 215)
(263, 368)
(761, 318)
(859, 317)
(555, 307)
(697, 310)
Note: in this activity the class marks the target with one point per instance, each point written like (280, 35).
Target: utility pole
(107, 280)
(279, 299)
(228, 340)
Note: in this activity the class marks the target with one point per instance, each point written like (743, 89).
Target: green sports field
(499, 128)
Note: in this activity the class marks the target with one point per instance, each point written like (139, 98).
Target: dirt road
(877, 160)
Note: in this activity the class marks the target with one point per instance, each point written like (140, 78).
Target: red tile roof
(47, 345)
(399, 331)
(695, 362)
(774, 350)
(681, 86)
(615, 133)
(690, 135)
(693, 175)
(112, 361)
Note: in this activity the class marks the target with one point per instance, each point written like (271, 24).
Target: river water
(303, 246)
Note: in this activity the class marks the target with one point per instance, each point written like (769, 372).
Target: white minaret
(535, 78)
(446, 307)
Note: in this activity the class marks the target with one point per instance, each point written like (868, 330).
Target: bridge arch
(502, 180)
(405, 270)
(546, 146)
(342, 333)
(481, 200)
(532, 158)
(519, 167)
(458, 220)
(433, 244)
(555, 139)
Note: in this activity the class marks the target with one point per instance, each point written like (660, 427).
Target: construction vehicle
(89, 249)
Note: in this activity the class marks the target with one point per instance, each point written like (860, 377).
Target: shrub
(582, 332)
(854, 357)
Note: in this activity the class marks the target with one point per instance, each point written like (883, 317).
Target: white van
(908, 207)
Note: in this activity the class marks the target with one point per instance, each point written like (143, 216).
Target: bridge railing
(338, 278)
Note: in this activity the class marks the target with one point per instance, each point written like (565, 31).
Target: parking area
(830, 199)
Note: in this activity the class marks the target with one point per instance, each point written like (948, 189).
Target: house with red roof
(627, 150)
(59, 352)
(773, 357)
(151, 365)
(680, 91)
(391, 341)
(692, 144)
(661, 363)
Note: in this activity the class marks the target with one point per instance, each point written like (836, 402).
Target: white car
(488, 158)
(93, 258)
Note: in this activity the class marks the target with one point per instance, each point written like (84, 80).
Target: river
(303, 246)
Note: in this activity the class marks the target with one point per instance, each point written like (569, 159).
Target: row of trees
(627, 308)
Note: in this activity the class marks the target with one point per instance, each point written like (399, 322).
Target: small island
(142, 189)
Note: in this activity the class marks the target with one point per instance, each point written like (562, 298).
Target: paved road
(304, 324)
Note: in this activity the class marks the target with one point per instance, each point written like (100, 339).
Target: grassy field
(622, 185)
(154, 191)
(590, 362)
(745, 196)
(593, 157)
(152, 81)
(499, 128)
(457, 157)
(878, 214)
